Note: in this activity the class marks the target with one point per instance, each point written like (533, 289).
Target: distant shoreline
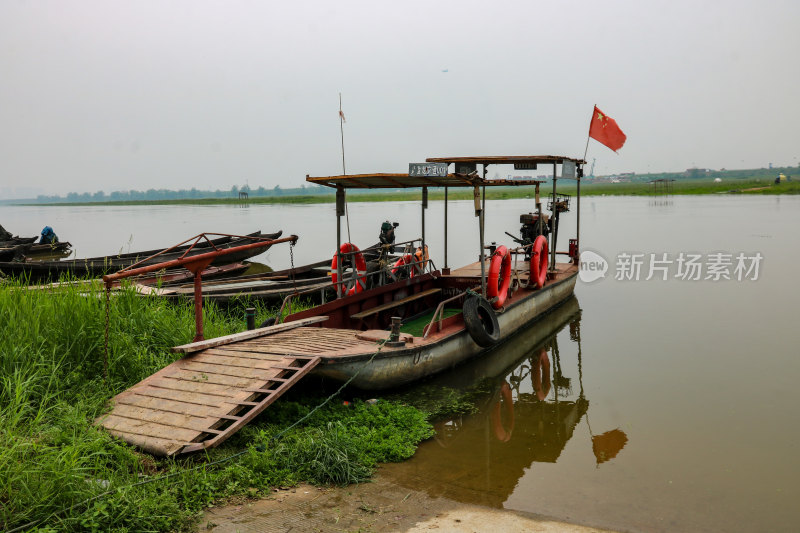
(679, 188)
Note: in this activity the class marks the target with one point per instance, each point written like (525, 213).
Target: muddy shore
(371, 507)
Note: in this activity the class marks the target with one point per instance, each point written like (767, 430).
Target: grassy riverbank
(746, 185)
(53, 459)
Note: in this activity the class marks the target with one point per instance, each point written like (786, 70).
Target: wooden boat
(98, 266)
(34, 251)
(433, 341)
(17, 240)
(373, 338)
(313, 279)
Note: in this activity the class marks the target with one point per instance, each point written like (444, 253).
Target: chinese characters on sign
(427, 169)
(688, 266)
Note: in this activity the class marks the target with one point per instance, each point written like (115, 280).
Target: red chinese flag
(604, 129)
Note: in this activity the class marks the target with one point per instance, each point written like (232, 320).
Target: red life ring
(539, 261)
(503, 434)
(361, 269)
(499, 277)
(541, 375)
(402, 262)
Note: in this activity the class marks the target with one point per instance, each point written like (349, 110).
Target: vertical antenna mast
(341, 130)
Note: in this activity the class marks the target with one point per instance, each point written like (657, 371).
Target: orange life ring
(503, 434)
(541, 375)
(361, 269)
(420, 259)
(539, 261)
(499, 277)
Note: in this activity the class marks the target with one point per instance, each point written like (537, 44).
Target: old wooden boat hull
(392, 368)
(98, 266)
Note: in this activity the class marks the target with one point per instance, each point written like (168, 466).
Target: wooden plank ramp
(202, 399)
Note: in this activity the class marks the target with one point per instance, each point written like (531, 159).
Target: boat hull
(393, 367)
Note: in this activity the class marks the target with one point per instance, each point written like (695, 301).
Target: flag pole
(588, 135)
(341, 130)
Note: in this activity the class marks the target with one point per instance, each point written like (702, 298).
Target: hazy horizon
(118, 96)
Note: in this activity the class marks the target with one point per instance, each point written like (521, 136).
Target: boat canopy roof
(404, 181)
(507, 159)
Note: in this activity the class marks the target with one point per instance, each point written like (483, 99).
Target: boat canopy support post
(483, 226)
(554, 230)
(476, 198)
(578, 221)
(445, 229)
(340, 207)
(424, 207)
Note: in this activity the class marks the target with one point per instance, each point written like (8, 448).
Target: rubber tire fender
(481, 321)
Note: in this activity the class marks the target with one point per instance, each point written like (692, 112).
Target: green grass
(52, 457)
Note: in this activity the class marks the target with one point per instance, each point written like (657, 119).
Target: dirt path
(371, 507)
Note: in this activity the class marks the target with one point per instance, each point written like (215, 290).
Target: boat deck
(523, 269)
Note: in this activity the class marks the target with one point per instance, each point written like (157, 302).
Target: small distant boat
(21, 252)
(99, 266)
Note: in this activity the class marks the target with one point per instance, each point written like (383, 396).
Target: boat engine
(533, 225)
(387, 232)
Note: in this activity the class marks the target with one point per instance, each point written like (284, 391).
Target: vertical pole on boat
(339, 213)
(554, 231)
(476, 198)
(424, 207)
(445, 228)
(578, 223)
(483, 226)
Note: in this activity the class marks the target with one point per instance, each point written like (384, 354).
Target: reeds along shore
(52, 388)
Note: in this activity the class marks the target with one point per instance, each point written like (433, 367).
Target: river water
(667, 406)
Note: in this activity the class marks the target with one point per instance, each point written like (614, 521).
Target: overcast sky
(104, 95)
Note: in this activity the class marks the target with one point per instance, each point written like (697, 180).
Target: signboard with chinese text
(427, 169)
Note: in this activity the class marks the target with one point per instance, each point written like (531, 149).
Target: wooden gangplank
(202, 399)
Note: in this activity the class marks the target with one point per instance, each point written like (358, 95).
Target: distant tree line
(697, 173)
(316, 190)
(182, 194)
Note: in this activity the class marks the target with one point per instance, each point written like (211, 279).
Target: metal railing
(342, 286)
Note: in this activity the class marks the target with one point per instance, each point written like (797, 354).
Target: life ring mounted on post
(499, 277)
(539, 261)
(360, 269)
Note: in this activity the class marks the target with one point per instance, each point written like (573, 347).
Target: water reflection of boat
(480, 458)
